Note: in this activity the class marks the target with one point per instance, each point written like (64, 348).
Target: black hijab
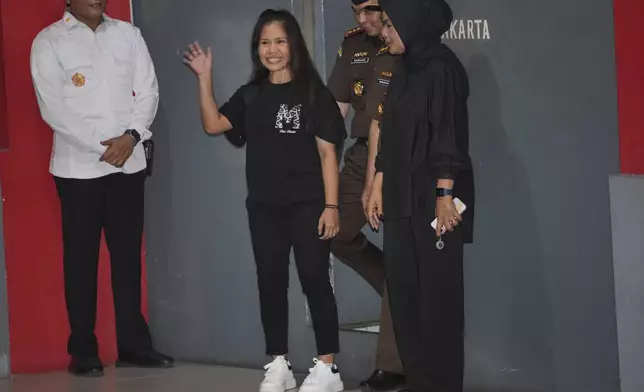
(420, 24)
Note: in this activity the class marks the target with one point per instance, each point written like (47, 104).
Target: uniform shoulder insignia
(383, 50)
(353, 32)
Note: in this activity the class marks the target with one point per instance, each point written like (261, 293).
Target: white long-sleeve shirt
(92, 86)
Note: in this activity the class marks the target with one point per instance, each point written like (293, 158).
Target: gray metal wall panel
(544, 138)
(627, 215)
(4, 310)
(540, 302)
(540, 290)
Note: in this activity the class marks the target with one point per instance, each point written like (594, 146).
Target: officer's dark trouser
(353, 249)
(426, 293)
(113, 203)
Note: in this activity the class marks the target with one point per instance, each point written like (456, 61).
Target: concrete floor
(183, 378)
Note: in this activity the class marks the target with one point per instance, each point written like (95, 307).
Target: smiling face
(368, 17)
(274, 50)
(87, 10)
(391, 37)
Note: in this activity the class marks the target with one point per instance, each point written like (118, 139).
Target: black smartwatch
(440, 192)
(134, 134)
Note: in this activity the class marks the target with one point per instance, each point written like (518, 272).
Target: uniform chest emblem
(360, 58)
(383, 82)
(78, 80)
(358, 88)
(384, 79)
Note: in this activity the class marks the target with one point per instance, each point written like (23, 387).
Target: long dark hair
(305, 76)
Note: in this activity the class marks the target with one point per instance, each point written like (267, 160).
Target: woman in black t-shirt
(291, 125)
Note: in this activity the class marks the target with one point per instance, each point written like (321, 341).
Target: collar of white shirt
(71, 21)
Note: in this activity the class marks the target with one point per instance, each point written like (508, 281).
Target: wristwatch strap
(440, 192)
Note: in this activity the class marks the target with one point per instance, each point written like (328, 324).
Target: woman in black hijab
(423, 166)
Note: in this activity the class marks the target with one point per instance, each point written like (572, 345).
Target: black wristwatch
(440, 192)
(134, 134)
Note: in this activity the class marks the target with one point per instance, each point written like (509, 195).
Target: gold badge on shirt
(381, 109)
(78, 80)
(358, 87)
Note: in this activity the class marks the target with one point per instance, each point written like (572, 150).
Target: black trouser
(113, 203)
(353, 248)
(426, 292)
(275, 229)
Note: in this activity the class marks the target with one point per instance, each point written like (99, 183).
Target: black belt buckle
(148, 147)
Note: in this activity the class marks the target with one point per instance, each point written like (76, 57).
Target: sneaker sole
(335, 387)
(289, 384)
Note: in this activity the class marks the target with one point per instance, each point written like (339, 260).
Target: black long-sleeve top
(424, 131)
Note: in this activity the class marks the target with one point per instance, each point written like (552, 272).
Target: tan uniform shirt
(361, 75)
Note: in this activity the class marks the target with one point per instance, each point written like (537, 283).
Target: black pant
(426, 292)
(274, 230)
(114, 203)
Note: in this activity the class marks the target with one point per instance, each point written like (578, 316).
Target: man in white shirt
(97, 89)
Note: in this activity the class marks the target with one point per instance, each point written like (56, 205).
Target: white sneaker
(322, 378)
(279, 376)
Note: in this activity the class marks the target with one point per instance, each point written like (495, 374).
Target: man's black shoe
(86, 367)
(145, 359)
(382, 380)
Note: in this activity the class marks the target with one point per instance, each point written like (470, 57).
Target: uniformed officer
(360, 79)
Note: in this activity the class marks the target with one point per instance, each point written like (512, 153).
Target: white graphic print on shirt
(288, 120)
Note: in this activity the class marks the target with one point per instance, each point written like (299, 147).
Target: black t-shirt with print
(282, 160)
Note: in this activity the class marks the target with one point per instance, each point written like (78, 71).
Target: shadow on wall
(509, 312)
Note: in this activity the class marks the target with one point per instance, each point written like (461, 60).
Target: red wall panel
(4, 131)
(33, 240)
(630, 77)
